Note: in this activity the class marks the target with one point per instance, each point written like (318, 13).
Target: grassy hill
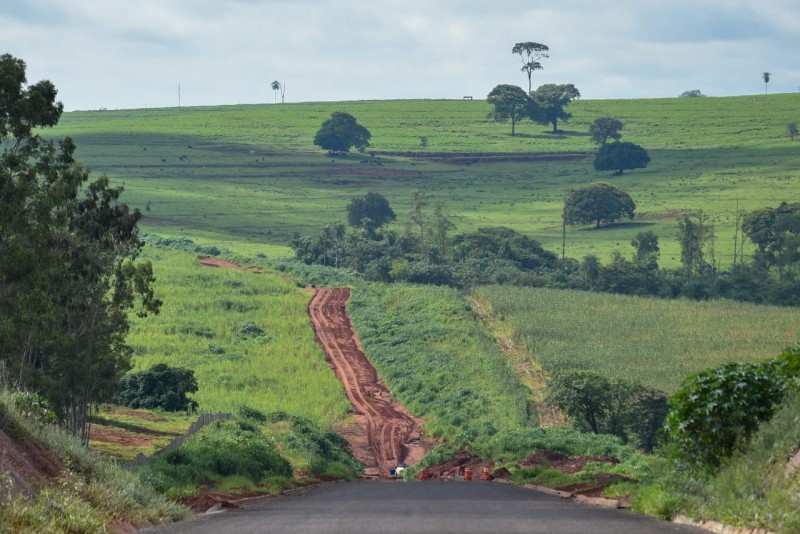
(249, 176)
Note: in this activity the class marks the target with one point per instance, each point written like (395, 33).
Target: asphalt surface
(417, 507)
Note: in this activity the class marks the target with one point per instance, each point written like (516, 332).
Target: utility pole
(179, 95)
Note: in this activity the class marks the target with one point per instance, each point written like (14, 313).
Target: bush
(632, 412)
(716, 411)
(161, 386)
(221, 449)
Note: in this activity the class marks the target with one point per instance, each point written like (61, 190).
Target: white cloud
(118, 53)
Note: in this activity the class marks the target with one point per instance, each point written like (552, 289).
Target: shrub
(714, 412)
(627, 410)
(161, 386)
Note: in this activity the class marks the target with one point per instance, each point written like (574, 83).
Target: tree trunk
(513, 123)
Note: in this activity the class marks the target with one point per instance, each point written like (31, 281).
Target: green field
(210, 322)
(252, 176)
(651, 341)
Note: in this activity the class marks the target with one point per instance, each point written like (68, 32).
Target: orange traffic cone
(467, 474)
(485, 475)
(423, 474)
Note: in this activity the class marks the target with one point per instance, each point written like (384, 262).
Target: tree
(776, 234)
(693, 233)
(765, 76)
(598, 202)
(276, 86)
(530, 53)
(620, 156)
(68, 274)
(369, 212)
(692, 93)
(647, 250)
(549, 101)
(510, 102)
(605, 128)
(161, 386)
(792, 130)
(340, 133)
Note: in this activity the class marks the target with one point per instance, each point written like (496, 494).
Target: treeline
(428, 252)
(68, 275)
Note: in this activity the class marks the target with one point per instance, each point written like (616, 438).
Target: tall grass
(439, 360)
(654, 342)
(245, 335)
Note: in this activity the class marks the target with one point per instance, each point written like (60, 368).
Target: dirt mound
(27, 461)
(218, 262)
(384, 434)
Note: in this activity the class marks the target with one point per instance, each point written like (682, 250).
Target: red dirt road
(385, 434)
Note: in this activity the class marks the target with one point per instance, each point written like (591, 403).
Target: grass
(122, 433)
(204, 325)
(654, 342)
(252, 176)
(439, 361)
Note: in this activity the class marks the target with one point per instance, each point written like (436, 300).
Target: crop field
(247, 177)
(246, 335)
(654, 342)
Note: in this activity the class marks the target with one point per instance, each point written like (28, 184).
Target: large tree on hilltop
(530, 53)
(510, 103)
(340, 133)
(549, 101)
(68, 247)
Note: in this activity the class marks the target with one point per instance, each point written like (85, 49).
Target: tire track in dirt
(384, 434)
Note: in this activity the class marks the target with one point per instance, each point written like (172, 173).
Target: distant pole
(179, 95)
(564, 228)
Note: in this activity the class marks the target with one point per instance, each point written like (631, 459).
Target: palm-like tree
(276, 86)
(765, 77)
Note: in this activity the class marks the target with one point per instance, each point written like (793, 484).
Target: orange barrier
(485, 475)
(467, 474)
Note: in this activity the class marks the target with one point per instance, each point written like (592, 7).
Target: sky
(122, 54)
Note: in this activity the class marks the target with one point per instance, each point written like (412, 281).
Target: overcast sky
(133, 53)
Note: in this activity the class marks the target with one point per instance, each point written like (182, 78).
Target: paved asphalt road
(433, 506)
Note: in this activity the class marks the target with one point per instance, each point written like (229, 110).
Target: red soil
(27, 462)
(218, 262)
(384, 434)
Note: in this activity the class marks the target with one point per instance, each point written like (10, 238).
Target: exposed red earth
(384, 433)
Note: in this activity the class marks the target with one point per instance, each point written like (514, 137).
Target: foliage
(369, 212)
(68, 247)
(597, 202)
(340, 133)
(326, 453)
(605, 128)
(221, 449)
(439, 360)
(530, 53)
(715, 412)
(161, 386)
(647, 250)
(693, 234)
(621, 156)
(510, 102)
(632, 412)
(792, 130)
(776, 234)
(90, 494)
(520, 442)
(692, 93)
(549, 101)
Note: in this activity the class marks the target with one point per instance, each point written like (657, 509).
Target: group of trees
(545, 105)
(68, 270)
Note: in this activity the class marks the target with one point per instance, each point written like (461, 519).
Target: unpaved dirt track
(384, 434)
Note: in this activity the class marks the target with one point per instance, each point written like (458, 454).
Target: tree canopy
(68, 247)
(598, 202)
(510, 103)
(692, 93)
(340, 133)
(530, 53)
(621, 156)
(549, 101)
(369, 212)
(605, 128)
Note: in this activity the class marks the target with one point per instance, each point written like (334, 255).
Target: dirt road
(384, 434)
